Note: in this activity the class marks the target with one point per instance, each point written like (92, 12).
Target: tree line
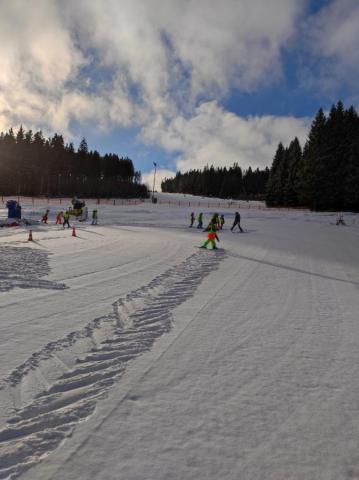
(220, 182)
(325, 174)
(33, 165)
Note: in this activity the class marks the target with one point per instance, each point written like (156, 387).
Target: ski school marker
(30, 236)
(74, 232)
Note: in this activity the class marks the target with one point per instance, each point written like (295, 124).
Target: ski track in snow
(59, 386)
(34, 264)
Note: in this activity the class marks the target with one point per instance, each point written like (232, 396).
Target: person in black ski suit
(192, 219)
(237, 221)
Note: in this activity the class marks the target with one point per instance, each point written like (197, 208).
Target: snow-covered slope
(128, 353)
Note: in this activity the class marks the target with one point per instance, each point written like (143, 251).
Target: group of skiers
(216, 220)
(216, 223)
(63, 218)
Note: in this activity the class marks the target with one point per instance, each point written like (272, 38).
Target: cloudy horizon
(184, 83)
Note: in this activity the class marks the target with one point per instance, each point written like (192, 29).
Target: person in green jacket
(66, 220)
(212, 237)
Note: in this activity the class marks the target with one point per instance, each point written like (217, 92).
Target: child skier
(45, 217)
(237, 221)
(212, 237)
(215, 220)
(94, 216)
(66, 219)
(59, 218)
(192, 219)
(200, 220)
(340, 219)
(221, 221)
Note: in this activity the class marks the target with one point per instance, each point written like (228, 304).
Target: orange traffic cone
(30, 236)
(73, 232)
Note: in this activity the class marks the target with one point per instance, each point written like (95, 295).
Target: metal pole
(154, 179)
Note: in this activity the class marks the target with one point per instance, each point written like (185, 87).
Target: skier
(340, 219)
(59, 218)
(237, 221)
(200, 220)
(212, 237)
(45, 217)
(192, 219)
(94, 216)
(215, 220)
(66, 219)
(221, 221)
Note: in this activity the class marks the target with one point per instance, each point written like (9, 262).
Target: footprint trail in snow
(59, 386)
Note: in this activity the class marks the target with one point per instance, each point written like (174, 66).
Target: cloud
(37, 59)
(213, 136)
(160, 67)
(133, 61)
(331, 38)
(161, 174)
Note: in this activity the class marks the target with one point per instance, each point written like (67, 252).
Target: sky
(182, 83)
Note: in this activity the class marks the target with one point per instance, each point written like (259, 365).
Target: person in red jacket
(212, 237)
(59, 218)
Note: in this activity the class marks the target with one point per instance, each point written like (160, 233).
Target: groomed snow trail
(99, 354)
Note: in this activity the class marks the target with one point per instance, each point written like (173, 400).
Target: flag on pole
(155, 164)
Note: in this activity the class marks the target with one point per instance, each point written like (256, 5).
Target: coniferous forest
(33, 165)
(324, 175)
(220, 182)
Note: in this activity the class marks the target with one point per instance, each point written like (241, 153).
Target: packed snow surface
(128, 353)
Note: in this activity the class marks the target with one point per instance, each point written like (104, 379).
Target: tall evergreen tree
(277, 175)
(312, 168)
(291, 186)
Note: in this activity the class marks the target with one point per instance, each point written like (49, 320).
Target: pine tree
(351, 169)
(291, 186)
(275, 186)
(312, 168)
